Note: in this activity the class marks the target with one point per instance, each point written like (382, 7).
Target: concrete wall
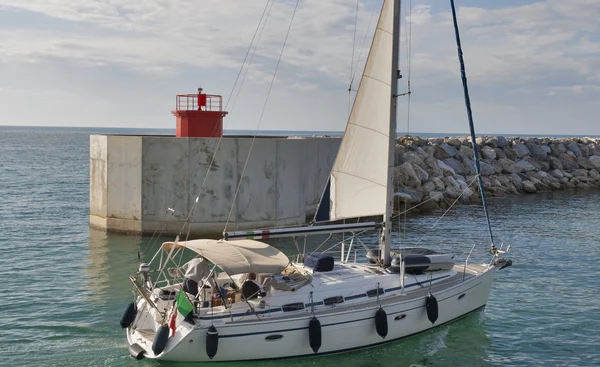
(135, 179)
(98, 180)
(124, 175)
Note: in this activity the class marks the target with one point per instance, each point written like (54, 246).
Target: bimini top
(236, 257)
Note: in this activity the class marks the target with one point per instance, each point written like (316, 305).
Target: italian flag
(184, 307)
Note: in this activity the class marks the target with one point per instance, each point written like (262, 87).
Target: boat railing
(467, 261)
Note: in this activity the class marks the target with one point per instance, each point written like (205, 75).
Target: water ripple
(65, 286)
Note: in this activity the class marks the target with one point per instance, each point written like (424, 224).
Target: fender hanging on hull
(212, 342)
(381, 324)
(160, 339)
(314, 334)
(128, 315)
(431, 305)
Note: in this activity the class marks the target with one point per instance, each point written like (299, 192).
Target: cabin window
(333, 300)
(373, 292)
(293, 307)
(272, 338)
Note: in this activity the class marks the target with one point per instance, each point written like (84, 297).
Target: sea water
(65, 286)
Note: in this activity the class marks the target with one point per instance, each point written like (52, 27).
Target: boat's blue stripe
(369, 345)
(349, 298)
(278, 309)
(414, 284)
(319, 303)
(342, 322)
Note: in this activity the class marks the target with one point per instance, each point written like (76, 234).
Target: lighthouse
(199, 115)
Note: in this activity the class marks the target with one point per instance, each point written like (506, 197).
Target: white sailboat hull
(348, 330)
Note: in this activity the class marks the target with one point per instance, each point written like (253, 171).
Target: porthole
(274, 337)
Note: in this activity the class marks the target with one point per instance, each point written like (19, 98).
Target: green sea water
(64, 286)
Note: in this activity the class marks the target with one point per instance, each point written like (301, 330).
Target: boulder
(555, 163)
(439, 183)
(595, 160)
(488, 153)
(422, 153)
(446, 170)
(573, 147)
(486, 169)
(408, 196)
(510, 153)
(501, 142)
(558, 149)
(405, 176)
(499, 153)
(585, 163)
(536, 150)
(568, 161)
(413, 158)
(535, 163)
(421, 173)
(520, 149)
(436, 196)
(457, 166)
(514, 178)
(497, 166)
(465, 151)
(521, 166)
(505, 163)
(451, 182)
(454, 142)
(428, 186)
(557, 173)
(529, 187)
(546, 149)
(444, 151)
(580, 173)
(432, 167)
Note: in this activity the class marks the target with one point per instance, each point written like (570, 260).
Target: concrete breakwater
(434, 173)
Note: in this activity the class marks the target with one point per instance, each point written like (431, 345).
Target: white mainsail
(360, 172)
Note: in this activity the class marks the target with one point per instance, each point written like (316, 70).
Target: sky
(533, 66)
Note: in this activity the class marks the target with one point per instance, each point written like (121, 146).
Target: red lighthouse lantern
(199, 115)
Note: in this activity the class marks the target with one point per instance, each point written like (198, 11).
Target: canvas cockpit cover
(237, 257)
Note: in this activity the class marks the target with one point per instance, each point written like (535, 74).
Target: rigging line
(247, 53)
(362, 46)
(251, 58)
(446, 212)
(463, 75)
(217, 145)
(424, 202)
(352, 60)
(262, 113)
(409, 65)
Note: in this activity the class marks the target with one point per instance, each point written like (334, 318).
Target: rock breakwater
(435, 173)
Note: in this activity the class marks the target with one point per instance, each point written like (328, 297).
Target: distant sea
(139, 131)
(64, 286)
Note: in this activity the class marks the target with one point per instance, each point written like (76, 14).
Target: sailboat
(240, 299)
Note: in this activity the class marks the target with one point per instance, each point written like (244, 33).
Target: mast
(385, 253)
(463, 76)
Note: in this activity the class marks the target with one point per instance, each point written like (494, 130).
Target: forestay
(359, 174)
(242, 256)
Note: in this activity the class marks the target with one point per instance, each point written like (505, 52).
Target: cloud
(516, 55)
